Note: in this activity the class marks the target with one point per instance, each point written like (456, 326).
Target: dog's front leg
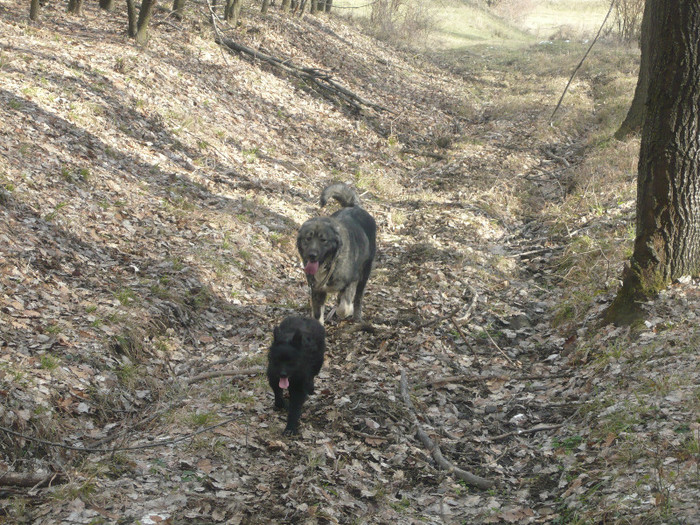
(318, 299)
(345, 300)
(296, 400)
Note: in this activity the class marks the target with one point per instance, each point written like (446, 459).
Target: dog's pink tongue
(284, 383)
(311, 267)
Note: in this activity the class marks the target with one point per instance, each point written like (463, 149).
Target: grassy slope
(149, 207)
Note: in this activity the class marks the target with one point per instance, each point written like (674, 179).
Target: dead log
(467, 477)
(21, 479)
(321, 79)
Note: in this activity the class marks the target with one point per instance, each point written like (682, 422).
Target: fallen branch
(321, 79)
(20, 479)
(435, 451)
(225, 373)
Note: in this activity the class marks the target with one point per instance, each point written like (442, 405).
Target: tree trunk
(131, 13)
(233, 11)
(107, 5)
(286, 5)
(178, 9)
(265, 5)
(329, 4)
(75, 7)
(312, 7)
(34, 10)
(144, 19)
(635, 116)
(667, 245)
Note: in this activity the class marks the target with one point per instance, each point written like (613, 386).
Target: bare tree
(34, 10)
(75, 7)
(178, 9)
(667, 244)
(232, 12)
(131, 14)
(138, 27)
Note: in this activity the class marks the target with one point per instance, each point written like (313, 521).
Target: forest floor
(149, 203)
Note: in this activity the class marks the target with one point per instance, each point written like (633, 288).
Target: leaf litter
(149, 207)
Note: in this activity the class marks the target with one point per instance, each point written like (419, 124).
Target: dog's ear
(297, 340)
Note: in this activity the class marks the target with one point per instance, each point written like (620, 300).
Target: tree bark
(144, 19)
(667, 245)
(178, 9)
(635, 116)
(131, 13)
(329, 4)
(107, 5)
(75, 7)
(286, 4)
(232, 11)
(34, 10)
(265, 6)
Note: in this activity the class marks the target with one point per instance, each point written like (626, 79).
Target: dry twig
(467, 477)
(225, 373)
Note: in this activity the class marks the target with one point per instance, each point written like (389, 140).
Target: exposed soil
(148, 213)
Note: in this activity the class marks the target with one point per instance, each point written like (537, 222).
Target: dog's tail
(343, 193)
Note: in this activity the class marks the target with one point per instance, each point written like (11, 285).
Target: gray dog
(337, 253)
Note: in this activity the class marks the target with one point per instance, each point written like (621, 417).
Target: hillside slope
(148, 213)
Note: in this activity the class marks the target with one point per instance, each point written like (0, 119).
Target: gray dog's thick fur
(340, 249)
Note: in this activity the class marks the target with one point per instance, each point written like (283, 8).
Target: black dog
(295, 358)
(337, 253)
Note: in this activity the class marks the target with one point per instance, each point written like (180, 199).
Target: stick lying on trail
(467, 477)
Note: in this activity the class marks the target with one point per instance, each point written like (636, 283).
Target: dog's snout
(313, 256)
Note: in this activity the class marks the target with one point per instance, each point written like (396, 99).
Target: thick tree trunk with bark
(131, 14)
(144, 20)
(34, 10)
(232, 11)
(107, 5)
(667, 245)
(635, 116)
(329, 4)
(75, 7)
(265, 6)
(286, 5)
(178, 9)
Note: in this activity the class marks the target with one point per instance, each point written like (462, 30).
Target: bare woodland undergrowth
(149, 201)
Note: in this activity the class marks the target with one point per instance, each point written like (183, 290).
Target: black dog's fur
(338, 252)
(297, 355)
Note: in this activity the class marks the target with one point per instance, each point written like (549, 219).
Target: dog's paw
(290, 432)
(280, 405)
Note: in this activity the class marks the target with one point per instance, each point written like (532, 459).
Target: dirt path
(149, 205)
